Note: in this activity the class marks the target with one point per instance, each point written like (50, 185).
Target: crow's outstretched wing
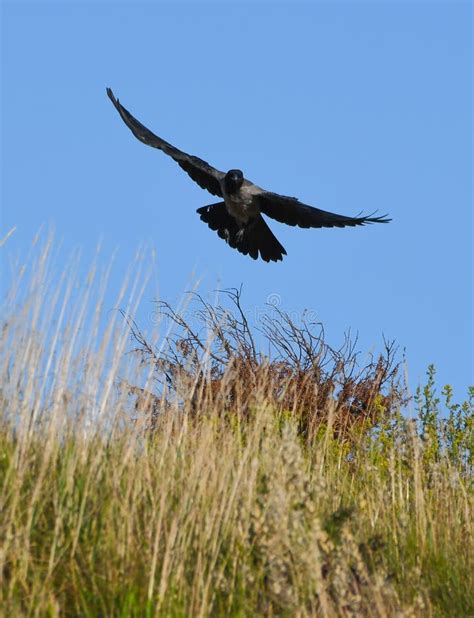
(291, 211)
(200, 171)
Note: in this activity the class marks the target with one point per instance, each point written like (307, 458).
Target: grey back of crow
(238, 218)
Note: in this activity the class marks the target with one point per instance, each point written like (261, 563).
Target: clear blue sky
(349, 106)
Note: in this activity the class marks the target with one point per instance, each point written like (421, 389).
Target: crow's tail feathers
(251, 239)
(257, 237)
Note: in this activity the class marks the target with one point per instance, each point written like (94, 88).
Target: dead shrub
(213, 366)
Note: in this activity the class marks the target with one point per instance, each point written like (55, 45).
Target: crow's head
(233, 181)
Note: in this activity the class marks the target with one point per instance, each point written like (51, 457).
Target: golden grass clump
(196, 476)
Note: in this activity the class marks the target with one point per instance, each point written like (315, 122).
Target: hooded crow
(238, 219)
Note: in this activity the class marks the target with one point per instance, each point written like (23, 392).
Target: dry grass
(244, 486)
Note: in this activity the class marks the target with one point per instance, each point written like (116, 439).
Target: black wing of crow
(200, 171)
(291, 211)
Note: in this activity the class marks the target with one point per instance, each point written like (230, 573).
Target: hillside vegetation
(188, 474)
